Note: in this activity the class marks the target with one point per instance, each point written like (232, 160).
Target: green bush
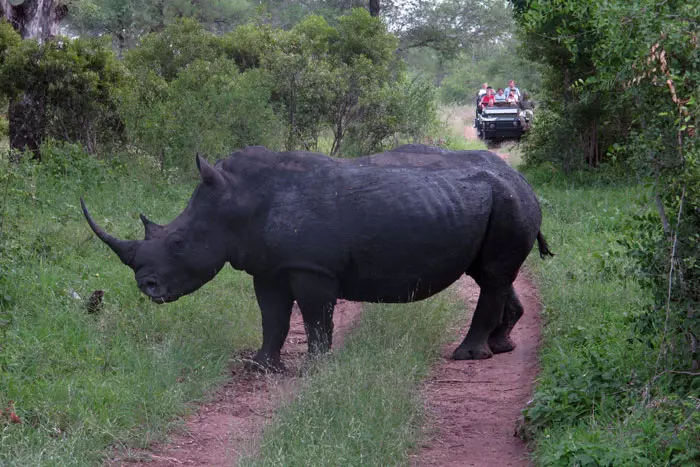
(210, 107)
(73, 80)
(259, 85)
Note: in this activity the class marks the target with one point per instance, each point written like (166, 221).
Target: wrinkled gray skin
(393, 227)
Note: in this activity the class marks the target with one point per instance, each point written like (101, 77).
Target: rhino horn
(151, 228)
(125, 249)
(210, 176)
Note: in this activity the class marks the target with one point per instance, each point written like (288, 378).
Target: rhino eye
(176, 244)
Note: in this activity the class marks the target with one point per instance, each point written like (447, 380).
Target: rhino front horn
(151, 228)
(125, 249)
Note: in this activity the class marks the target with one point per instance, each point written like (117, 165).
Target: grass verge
(593, 405)
(361, 406)
(81, 382)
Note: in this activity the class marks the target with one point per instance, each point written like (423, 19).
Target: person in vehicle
(512, 98)
(488, 99)
(500, 95)
(526, 114)
(513, 87)
(481, 93)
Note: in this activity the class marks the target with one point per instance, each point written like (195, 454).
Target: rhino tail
(543, 247)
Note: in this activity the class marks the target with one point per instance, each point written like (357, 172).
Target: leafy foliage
(184, 89)
(594, 404)
(449, 26)
(127, 20)
(76, 79)
(639, 86)
(628, 96)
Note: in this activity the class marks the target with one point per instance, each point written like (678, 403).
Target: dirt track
(473, 405)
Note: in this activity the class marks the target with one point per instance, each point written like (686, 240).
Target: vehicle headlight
(492, 125)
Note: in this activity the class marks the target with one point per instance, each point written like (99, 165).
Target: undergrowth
(78, 381)
(599, 400)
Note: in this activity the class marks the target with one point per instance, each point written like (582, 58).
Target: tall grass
(81, 382)
(361, 407)
(593, 405)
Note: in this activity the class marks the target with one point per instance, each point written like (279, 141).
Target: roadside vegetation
(601, 399)
(80, 380)
(620, 364)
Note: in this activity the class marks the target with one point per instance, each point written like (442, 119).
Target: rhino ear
(210, 176)
(152, 229)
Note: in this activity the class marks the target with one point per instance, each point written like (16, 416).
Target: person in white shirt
(513, 87)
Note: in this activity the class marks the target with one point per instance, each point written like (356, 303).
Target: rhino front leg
(316, 296)
(275, 300)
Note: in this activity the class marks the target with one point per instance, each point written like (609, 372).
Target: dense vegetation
(184, 89)
(622, 82)
(600, 400)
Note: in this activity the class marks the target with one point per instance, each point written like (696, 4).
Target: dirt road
(473, 405)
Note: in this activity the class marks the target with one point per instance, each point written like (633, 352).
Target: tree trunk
(27, 117)
(36, 20)
(374, 7)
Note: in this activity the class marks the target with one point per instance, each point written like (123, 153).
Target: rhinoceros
(393, 227)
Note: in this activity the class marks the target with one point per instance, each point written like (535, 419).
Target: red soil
(473, 405)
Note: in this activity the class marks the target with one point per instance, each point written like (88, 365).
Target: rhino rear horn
(151, 228)
(125, 249)
(210, 176)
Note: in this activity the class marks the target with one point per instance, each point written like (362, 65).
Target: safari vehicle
(502, 121)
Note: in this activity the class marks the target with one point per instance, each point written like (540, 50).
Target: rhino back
(379, 231)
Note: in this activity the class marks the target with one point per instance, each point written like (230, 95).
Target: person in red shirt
(488, 99)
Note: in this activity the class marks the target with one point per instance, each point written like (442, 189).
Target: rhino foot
(467, 353)
(502, 344)
(264, 364)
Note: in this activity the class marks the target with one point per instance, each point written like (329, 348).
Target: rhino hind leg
(487, 318)
(499, 340)
(275, 300)
(316, 296)
(318, 324)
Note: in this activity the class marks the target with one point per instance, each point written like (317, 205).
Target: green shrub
(73, 79)
(210, 107)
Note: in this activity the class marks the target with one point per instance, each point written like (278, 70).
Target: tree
(448, 26)
(624, 80)
(34, 20)
(127, 20)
